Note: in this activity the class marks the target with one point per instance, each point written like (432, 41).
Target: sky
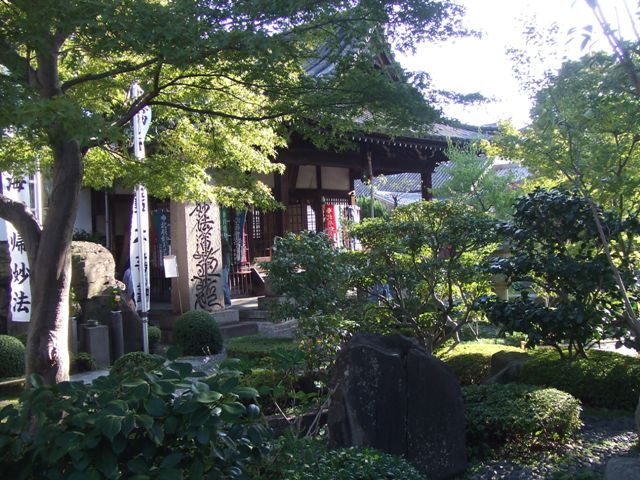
(468, 65)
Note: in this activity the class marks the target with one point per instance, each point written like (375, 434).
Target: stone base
(278, 330)
(225, 317)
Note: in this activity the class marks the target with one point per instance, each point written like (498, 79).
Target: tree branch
(109, 73)
(217, 113)
(24, 220)
(16, 63)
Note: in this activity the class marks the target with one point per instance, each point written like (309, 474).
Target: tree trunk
(47, 346)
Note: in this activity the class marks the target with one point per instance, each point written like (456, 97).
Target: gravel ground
(601, 438)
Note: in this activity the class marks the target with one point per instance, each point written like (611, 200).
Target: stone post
(196, 243)
(116, 334)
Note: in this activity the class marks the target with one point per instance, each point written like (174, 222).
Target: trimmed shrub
(12, 353)
(515, 418)
(82, 362)
(22, 337)
(160, 425)
(155, 334)
(129, 363)
(257, 351)
(471, 362)
(602, 379)
(197, 333)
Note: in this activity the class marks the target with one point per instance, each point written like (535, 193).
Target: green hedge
(257, 351)
(197, 333)
(471, 362)
(603, 379)
(12, 353)
(516, 417)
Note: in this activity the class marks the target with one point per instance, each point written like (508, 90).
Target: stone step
(238, 329)
(228, 316)
(254, 314)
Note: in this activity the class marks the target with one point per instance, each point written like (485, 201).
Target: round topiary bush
(197, 333)
(12, 354)
(129, 362)
(155, 334)
(516, 417)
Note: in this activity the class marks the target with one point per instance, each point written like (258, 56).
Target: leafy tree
(222, 77)
(585, 135)
(315, 276)
(420, 267)
(585, 132)
(473, 181)
(572, 297)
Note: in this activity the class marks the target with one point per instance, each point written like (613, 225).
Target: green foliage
(197, 333)
(157, 425)
(129, 363)
(426, 254)
(155, 334)
(308, 459)
(473, 181)
(471, 362)
(516, 418)
(602, 379)
(82, 362)
(12, 356)
(554, 245)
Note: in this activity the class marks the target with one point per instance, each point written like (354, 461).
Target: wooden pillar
(426, 183)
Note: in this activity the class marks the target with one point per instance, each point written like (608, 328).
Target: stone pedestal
(196, 242)
(96, 342)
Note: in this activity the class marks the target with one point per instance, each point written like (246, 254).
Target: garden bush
(12, 353)
(155, 334)
(155, 426)
(602, 379)
(471, 362)
(82, 362)
(515, 418)
(129, 363)
(197, 333)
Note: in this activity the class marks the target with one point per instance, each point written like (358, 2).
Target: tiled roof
(407, 187)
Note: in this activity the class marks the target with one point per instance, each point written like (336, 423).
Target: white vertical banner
(139, 249)
(139, 243)
(18, 189)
